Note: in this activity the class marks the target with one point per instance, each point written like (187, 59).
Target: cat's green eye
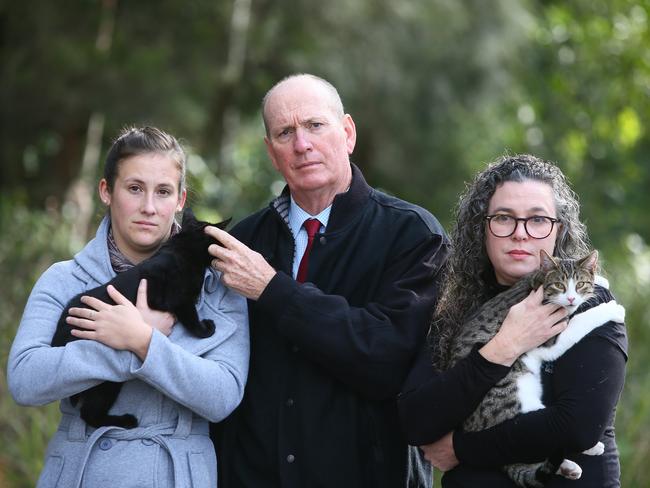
(560, 286)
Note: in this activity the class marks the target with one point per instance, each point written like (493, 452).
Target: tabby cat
(568, 283)
(174, 280)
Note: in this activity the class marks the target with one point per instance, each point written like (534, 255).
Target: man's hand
(243, 269)
(441, 453)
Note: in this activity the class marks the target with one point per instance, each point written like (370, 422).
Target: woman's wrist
(499, 351)
(141, 341)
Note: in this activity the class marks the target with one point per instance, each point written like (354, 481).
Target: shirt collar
(297, 216)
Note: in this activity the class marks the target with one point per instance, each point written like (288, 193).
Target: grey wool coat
(183, 383)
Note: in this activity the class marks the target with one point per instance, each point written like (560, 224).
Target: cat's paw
(569, 470)
(128, 421)
(207, 328)
(597, 450)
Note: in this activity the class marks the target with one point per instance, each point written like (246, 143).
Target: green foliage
(581, 99)
(31, 241)
(631, 279)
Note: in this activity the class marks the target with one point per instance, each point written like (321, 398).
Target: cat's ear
(546, 261)
(188, 217)
(223, 224)
(590, 261)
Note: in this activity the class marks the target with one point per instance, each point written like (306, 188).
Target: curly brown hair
(469, 279)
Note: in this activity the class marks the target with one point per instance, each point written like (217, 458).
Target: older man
(341, 281)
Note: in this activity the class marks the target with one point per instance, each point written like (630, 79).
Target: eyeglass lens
(537, 227)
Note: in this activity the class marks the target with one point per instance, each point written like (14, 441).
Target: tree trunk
(79, 202)
(225, 115)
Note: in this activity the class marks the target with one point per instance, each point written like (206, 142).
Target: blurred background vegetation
(437, 89)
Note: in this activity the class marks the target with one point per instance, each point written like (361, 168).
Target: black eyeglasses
(536, 226)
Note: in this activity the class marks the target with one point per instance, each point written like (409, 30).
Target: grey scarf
(119, 261)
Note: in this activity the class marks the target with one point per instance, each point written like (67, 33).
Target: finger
(556, 329)
(537, 295)
(559, 311)
(141, 298)
(83, 334)
(217, 251)
(562, 324)
(94, 303)
(227, 240)
(117, 296)
(218, 265)
(534, 296)
(83, 313)
(87, 314)
(79, 322)
(222, 236)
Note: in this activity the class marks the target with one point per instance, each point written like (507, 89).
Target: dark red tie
(311, 226)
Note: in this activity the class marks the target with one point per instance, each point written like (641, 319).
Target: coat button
(323, 240)
(291, 458)
(105, 444)
(289, 402)
(147, 442)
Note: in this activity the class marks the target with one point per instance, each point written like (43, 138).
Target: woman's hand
(162, 321)
(119, 326)
(527, 325)
(441, 453)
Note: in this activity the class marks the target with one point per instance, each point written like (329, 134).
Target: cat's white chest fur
(529, 385)
(570, 299)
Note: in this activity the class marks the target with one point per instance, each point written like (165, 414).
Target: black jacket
(329, 356)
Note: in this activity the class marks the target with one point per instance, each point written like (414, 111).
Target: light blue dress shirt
(297, 217)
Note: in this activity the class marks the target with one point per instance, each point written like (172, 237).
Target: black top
(581, 390)
(329, 356)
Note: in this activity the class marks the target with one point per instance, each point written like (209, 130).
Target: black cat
(174, 280)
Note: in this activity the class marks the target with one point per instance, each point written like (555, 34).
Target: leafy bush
(31, 241)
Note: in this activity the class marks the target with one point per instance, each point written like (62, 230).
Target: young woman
(174, 383)
(581, 388)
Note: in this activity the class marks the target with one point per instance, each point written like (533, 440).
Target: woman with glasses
(515, 208)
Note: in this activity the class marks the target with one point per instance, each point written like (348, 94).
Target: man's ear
(350, 132)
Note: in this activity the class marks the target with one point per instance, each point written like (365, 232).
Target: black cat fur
(174, 280)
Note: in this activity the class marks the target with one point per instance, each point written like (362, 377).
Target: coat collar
(345, 207)
(93, 259)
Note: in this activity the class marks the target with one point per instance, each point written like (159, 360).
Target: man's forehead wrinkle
(289, 113)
